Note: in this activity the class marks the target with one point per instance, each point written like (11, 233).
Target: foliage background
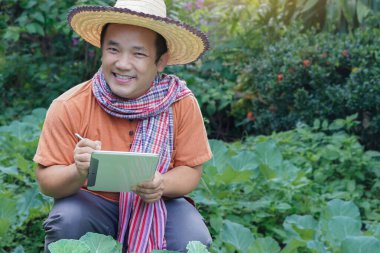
(289, 88)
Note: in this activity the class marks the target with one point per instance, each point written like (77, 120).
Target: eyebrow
(140, 48)
(112, 43)
(137, 48)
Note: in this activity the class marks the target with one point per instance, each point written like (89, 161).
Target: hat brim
(185, 43)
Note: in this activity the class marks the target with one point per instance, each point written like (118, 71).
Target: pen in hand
(98, 145)
(78, 136)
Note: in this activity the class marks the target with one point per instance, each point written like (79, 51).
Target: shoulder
(71, 102)
(187, 113)
(186, 108)
(187, 101)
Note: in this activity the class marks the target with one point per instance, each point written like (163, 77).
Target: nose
(123, 62)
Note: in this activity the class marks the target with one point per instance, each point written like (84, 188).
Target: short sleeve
(191, 147)
(57, 142)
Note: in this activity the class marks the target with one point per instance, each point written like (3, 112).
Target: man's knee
(65, 221)
(196, 233)
(78, 214)
(184, 225)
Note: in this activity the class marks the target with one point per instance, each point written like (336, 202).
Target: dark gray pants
(74, 216)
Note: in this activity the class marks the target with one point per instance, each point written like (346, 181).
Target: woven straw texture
(185, 43)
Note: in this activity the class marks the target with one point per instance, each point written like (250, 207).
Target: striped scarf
(142, 225)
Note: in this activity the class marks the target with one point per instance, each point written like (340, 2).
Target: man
(128, 106)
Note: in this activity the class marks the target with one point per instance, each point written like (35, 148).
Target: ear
(162, 62)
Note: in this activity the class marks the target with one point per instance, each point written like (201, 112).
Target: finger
(147, 185)
(85, 157)
(83, 150)
(145, 190)
(89, 143)
(151, 197)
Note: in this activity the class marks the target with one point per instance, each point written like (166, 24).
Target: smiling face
(129, 60)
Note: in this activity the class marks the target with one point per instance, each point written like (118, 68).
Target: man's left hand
(151, 191)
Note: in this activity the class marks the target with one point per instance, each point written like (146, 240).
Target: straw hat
(185, 43)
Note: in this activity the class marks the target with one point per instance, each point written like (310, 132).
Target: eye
(140, 55)
(112, 50)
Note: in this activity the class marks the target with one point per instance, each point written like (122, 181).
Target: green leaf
(4, 226)
(316, 124)
(309, 5)
(339, 207)
(268, 154)
(349, 9)
(18, 249)
(331, 153)
(220, 155)
(301, 227)
(31, 198)
(101, 243)
(337, 125)
(360, 244)
(237, 235)
(196, 247)
(340, 227)
(22, 131)
(35, 28)
(230, 176)
(290, 174)
(362, 11)
(39, 17)
(293, 245)
(333, 15)
(267, 172)
(9, 170)
(8, 212)
(69, 246)
(245, 160)
(264, 245)
(216, 222)
(316, 247)
(375, 229)
(28, 4)
(12, 33)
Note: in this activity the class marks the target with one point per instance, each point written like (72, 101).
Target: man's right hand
(82, 155)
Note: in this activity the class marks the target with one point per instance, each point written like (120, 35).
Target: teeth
(124, 77)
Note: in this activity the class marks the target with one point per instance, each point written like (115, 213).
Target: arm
(181, 180)
(177, 182)
(60, 181)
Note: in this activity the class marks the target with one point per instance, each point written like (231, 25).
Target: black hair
(160, 43)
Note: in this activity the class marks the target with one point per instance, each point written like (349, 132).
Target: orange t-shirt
(77, 111)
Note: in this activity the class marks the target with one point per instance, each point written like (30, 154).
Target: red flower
(345, 53)
(280, 77)
(250, 116)
(328, 63)
(306, 63)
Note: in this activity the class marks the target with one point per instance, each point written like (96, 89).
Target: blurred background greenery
(288, 72)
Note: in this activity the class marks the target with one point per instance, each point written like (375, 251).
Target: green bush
(22, 206)
(40, 57)
(311, 75)
(93, 242)
(264, 180)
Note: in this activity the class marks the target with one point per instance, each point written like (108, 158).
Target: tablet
(115, 171)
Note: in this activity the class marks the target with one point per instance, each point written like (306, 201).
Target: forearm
(59, 181)
(181, 180)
